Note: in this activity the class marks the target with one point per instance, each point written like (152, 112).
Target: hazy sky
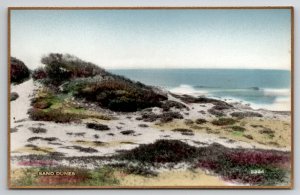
(156, 38)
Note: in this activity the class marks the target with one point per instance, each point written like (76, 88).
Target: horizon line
(174, 68)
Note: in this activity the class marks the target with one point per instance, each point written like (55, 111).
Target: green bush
(121, 95)
(60, 68)
(92, 83)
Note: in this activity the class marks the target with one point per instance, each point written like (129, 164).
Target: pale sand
(172, 178)
(281, 139)
(279, 123)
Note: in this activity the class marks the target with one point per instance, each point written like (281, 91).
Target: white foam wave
(188, 90)
(277, 92)
(280, 104)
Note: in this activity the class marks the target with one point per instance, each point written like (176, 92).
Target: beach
(251, 129)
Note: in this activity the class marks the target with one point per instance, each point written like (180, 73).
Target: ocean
(267, 89)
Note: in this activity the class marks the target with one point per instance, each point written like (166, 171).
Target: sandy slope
(74, 134)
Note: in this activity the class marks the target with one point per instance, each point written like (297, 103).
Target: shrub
(246, 114)
(39, 73)
(169, 116)
(60, 68)
(19, 72)
(161, 151)
(200, 121)
(92, 83)
(217, 113)
(59, 116)
(238, 128)
(121, 95)
(223, 121)
(167, 105)
(54, 115)
(238, 164)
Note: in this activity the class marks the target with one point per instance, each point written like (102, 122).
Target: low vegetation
(254, 167)
(48, 106)
(224, 121)
(161, 151)
(200, 121)
(238, 128)
(87, 81)
(260, 167)
(120, 94)
(246, 114)
(103, 176)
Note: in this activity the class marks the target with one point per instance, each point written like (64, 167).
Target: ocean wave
(280, 104)
(199, 89)
(281, 97)
(277, 92)
(188, 90)
(222, 88)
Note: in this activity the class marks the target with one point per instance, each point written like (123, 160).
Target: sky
(121, 39)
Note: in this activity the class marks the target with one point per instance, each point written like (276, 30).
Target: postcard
(150, 97)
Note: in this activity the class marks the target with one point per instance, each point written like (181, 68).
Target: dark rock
(37, 130)
(246, 114)
(168, 104)
(97, 126)
(86, 150)
(49, 139)
(202, 112)
(201, 100)
(143, 125)
(79, 134)
(169, 116)
(214, 112)
(182, 130)
(13, 130)
(127, 132)
(187, 133)
(222, 106)
(149, 116)
(14, 96)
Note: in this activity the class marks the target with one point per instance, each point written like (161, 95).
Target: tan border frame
(291, 186)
